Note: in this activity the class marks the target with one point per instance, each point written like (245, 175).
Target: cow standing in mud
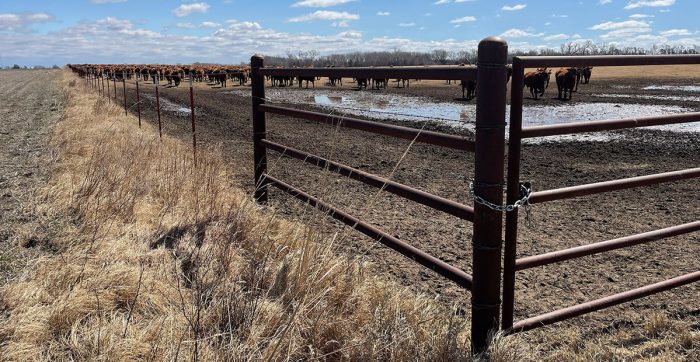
(537, 82)
(586, 74)
(307, 79)
(566, 82)
(468, 86)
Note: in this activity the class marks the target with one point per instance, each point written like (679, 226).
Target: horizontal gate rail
(517, 133)
(614, 185)
(422, 197)
(607, 60)
(429, 137)
(427, 73)
(607, 125)
(602, 303)
(599, 247)
(448, 271)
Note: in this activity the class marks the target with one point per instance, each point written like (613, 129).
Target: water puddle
(684, 88)
(647, 96)
(172, 107)
(462, 115)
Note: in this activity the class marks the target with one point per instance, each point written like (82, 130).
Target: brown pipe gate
(512, 263)
(489, 146)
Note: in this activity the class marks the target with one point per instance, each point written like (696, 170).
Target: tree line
(397, 57)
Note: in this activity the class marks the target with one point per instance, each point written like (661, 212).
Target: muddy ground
(224, 121)
(31, 103)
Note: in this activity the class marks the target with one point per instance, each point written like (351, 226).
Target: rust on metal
(488, 184)
(606, 186)
(602, 303)
(259, 127)
(126, 111)
(160, 125)
(429, 137)
(194, 131)
(138, 102)
(606, 60)
(599, 247)
(512, 194)
(427, 73)
(421, 197)
(607, 125)
(448, 271)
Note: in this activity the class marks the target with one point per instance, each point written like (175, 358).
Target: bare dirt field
(224, 119)
(31, 104)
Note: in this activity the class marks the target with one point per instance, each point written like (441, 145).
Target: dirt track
(31, 104)
(223, 119)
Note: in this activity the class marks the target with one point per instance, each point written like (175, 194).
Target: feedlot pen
(491, 303)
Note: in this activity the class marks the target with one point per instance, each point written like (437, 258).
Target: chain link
(524, 202)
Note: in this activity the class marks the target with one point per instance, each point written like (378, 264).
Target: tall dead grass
(165, 261)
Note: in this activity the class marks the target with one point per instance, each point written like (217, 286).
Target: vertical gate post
(259, 132)
(488, 184)
(513, 193)
(114, 83)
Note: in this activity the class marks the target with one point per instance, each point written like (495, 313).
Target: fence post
(259, 132)
(488, 184)
(109, 93)
(160, 127)
(513, 193)
(138, 101)
(114, 83)
(126, 112)
(194, 133)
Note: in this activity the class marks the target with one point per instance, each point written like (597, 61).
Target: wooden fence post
(488, 184)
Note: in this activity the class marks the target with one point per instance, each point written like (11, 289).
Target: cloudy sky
(229, 31)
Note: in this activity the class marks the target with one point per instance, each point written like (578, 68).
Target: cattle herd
(172, 74)
(537, 81)
(568, 80)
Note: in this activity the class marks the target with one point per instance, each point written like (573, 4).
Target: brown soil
(224, 119)
(31, 104)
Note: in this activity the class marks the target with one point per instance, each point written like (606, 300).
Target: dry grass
(159, 261)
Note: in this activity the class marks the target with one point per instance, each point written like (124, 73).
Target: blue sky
(229, 31)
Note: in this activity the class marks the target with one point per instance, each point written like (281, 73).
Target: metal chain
(524, 202)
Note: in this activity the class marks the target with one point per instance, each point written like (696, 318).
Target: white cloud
(185, 25)
(556, 37)
(649, 3)
(603, 2)
(325, 15)
(519, 33)
(676, 32)
(464, 19)
(12, 22)
(187, 9)
(407, 25)
(622, 30)
(514, 7)
(383, 13)
(210, 24)
(320, 3)
(640, 16)
(628, 24)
